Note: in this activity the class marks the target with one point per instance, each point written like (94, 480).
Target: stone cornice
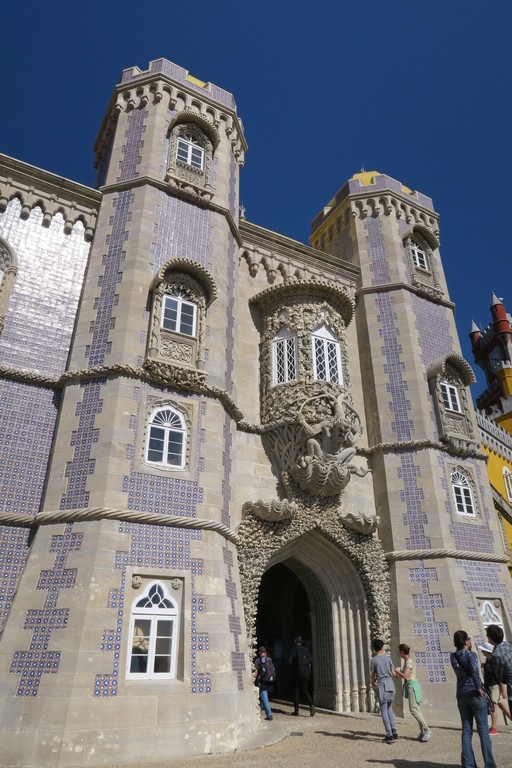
(400, 286)
(54, 194)
(268, 244)
(151, 181)
(502, 505)
(370, 200)
(295, 288)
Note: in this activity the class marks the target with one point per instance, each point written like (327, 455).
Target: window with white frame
(190, 151)
(326, 356)
(166, 442)
(153, 635)
(284, 354)
(450, 397)
(464, 502)
(179, 314)
(419, 257)
(507, 479)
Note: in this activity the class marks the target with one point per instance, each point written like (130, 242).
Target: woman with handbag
(471, 701)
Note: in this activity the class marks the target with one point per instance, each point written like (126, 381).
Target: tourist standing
(471, 701)
(300, 663)
(381, 677)
(503, 653)
(412, 690)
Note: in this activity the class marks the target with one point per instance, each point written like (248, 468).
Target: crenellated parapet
(36, 188)
(179, 92)
(375, 196)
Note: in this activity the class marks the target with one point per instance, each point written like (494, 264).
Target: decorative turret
(474, 335)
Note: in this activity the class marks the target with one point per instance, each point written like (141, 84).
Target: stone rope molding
(113, 513)
(434, 554)
(188, 380)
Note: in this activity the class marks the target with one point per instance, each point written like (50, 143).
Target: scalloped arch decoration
(439, 367)
(192, 268)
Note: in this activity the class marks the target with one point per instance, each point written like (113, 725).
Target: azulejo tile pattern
(42, 307)
(38, 660)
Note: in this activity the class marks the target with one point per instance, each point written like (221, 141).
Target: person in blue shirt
(471, 701)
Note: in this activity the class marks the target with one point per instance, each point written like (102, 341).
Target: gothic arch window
(153, 635)
(463, 494)
(420, 253)
(180, 294)
(167, 438)
(8, 270)
(448, 379)
(192, 143)
(326, 356)
(507, 479)
(284, 357)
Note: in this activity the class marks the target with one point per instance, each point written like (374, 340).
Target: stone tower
(237, 437)
(438, 528)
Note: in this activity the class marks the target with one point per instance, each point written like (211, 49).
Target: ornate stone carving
(360, 522)
(273, 511)
(455, 427)
(181, 353)
(181, 175)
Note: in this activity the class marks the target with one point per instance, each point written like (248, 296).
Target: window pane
(170, 316)
(140, 645)
(280, 362)
(197, 157)
(321, 370)
(156, 444)
(175, 448)
(162, 664)
(332, 361)
(187, 319)
(290, 359)
(164, 628)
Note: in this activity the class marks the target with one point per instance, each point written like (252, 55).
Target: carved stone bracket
(272, 511)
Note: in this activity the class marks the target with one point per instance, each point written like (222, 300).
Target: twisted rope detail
(433, 554)
(124, 515)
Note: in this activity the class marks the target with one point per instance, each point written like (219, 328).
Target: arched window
(326, 356)
(450, 397)
(166, 438)
(190, 151)
(419, 256)
(179, 314)
(284, 356)
(462, 492)
(507, 479)
(153, 635)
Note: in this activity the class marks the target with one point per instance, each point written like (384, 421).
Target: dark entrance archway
(312, 588)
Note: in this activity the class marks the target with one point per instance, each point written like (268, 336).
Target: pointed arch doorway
(310, 587)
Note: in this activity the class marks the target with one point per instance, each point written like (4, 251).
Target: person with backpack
(264, 677)
(381, 679)
(300, 662)
(492, 672)
(471, 701)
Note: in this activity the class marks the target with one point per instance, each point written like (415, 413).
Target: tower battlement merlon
(52, 193)
(369, 193)
(165, 82)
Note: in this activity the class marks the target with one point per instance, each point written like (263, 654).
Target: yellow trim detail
(196, 81)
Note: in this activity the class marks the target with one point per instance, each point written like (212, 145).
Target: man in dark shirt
(503, 653)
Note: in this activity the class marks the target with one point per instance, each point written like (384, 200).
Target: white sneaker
(425, 736)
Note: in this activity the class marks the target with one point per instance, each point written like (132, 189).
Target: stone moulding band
(435, 554)
(111, 513)
(199, 387)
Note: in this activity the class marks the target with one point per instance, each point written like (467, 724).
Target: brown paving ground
(347, 741)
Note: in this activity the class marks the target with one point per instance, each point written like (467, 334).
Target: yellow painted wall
(495, 467)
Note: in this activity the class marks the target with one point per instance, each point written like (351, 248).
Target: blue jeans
(388, 716)
(264, 703)
(472, 705)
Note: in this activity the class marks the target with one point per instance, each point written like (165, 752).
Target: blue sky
(419, 90)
